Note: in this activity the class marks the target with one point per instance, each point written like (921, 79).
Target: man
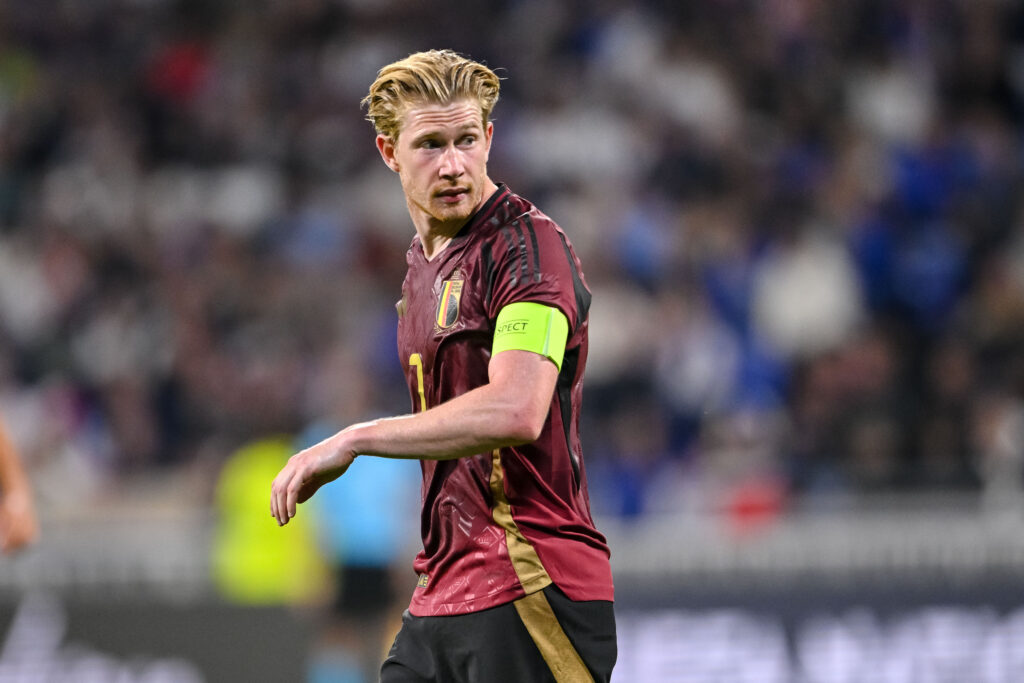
(515, 583)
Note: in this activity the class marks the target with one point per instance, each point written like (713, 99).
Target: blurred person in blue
(366, 530)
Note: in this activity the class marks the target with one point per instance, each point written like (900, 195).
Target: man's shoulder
(519, 216)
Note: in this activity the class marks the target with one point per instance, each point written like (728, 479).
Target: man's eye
(467, 140)
(430, 144)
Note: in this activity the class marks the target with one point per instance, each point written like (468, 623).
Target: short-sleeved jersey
(497, 526)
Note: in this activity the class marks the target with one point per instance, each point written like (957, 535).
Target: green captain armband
(529, 326)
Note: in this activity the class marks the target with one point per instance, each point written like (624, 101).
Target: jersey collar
(484, 212)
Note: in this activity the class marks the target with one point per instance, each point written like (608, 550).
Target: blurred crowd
(801, 221)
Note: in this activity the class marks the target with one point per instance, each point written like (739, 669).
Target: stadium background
(802, 225)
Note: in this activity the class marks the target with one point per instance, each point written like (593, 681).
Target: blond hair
(435, 77)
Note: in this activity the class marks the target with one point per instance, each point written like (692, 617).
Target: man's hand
(18, 525)
(306, 472)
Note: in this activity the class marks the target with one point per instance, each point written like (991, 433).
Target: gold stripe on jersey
(555, 647)
(525, 561)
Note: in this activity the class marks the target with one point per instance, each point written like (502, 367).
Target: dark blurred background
(802, 225)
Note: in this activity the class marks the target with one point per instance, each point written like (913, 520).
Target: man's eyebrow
(469, 126)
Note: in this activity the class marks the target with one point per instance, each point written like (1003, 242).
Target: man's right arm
(507, 411)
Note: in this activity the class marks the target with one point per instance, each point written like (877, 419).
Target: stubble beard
(458, 213)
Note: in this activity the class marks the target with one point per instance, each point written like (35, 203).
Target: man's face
(441, 158)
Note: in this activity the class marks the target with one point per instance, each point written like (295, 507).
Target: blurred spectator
(697, 366)
(366, 531)
(943, 449)
(18, 524)
(998, 437)
(631, 455)
(806, 298)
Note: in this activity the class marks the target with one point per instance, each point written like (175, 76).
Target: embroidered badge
(448, 302)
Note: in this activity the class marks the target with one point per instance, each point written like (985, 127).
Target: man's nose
(451, 162)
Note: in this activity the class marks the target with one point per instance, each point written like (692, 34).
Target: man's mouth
(452, 195)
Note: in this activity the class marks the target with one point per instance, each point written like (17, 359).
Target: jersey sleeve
(532, 261)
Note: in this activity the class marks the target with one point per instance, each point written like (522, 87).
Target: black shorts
(363, 591)
(542, 637)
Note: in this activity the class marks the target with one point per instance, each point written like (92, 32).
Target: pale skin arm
(507, 411)
(18, 525)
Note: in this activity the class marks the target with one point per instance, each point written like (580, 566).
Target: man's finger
(292, 498)
(282, 510)
(277, 496)
(273, 498)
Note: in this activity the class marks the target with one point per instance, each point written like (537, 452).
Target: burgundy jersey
(500, 525)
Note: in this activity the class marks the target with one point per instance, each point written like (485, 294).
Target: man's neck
(434, 237)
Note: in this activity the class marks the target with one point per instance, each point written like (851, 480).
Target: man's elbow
(524, 424)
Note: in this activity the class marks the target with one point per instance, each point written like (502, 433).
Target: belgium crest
(448, 302)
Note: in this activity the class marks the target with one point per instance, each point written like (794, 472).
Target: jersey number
(416, 360)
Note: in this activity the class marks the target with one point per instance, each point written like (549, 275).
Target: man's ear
(386, 147)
